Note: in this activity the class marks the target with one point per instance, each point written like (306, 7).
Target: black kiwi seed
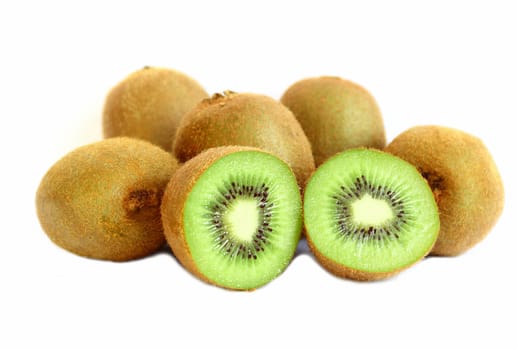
(223, 238)
(360, 187)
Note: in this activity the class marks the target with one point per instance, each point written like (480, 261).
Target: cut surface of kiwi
(232, 216)
(369, 214)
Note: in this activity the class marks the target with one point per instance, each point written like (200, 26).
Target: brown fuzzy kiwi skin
(175, 197)
(464, 179)
(335, 114)
(347, 272)
(245, 119)
(149, 104)
(102, 200)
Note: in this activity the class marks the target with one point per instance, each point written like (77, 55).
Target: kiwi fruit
(464, 178)
(102, 200)
(335, 114)
(149, 104)
(368, 215)
(232, 216)
(245, 119)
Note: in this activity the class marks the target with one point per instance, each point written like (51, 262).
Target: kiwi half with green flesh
(369, 215)
(232, 216)
(335, 114)
(149, 104)
(245, 120)
(103, 200)
(464, 179)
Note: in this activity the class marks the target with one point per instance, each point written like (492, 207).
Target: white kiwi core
(368, 211)
(242, 219)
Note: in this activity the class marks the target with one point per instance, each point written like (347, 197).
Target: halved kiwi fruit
(149, 104)
(369, 215)
(335, 114)
(103, 200)
(464, 179)
(245, 119)
(232, 216)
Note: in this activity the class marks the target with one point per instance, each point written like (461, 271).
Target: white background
(439, 62)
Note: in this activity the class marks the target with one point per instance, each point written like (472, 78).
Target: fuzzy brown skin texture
(465, 181)
(175, 197)
(102, 200)
(149, 104)
(245, 120)
(347, 272)
(336, 115)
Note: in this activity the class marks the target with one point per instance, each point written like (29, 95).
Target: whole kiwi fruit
(464, 178)
(335, 114)
(102, 200)
(232, 216)
(245, 119)
(149, 104)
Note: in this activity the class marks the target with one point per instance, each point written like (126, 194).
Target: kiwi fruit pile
(231, 183)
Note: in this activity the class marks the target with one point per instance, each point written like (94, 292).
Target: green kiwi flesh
(232, 216)
(369, 214)
(103, 200)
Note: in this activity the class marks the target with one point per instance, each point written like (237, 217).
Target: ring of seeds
(225, 241)
(348, 228)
